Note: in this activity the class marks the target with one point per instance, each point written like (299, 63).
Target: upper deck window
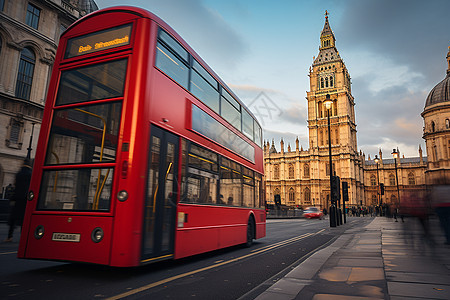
(172, 59)
(247, 124)
(94, 82)
(98, 41)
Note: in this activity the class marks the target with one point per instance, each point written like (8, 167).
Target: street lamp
(395, 153)
(31, 140)
(378, 183)
(328, 102)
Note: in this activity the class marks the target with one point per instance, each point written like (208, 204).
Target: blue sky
(394, 50)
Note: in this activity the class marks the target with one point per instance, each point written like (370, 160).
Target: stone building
(29, 35)
(302, 177)
(436, 131)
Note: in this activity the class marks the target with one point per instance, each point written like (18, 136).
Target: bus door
(160, 202)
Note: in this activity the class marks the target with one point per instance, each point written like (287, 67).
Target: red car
(313, 213)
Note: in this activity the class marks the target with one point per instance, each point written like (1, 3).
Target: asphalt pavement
(383, 260)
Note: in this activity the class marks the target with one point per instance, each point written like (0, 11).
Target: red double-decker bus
(144, 153)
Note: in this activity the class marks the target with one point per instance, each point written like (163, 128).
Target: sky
(394, 50)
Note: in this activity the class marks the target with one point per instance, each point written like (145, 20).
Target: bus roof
(143, 13)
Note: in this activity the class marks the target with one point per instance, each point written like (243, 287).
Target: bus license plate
(66, 237)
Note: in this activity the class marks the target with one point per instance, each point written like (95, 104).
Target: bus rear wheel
(250, 233)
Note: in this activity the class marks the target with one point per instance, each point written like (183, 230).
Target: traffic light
(335, 188)
(345, 190)
(382, 188)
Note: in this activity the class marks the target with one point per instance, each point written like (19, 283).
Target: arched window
(306, 171)
(291, 196)
(374, 199)
(291, 171)
(331, 81)
(321, 83)
(25, 74)
(276, 172)
(307, 196)
(326, 81)
(276, 195)
(337, 136)
(373, 180)
(447, 121)
(391, 179)
(335, 108)
(393, 199)
(411, 179)
(433, 126)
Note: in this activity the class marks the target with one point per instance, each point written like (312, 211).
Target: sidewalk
(384, 260)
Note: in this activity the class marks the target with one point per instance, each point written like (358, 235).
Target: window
(276, 172)
(172, 65)
(258, 134)
(291, 171)
(411, 179)
(374, 199)
(291, 196)
(391, 179)
(32, 18)
(321, 83)
(230, 109)
(373, 180)
(230, 183)
(447, 121)
(202, 179)
(85, 134)
(204, 91)
(307, 196)
(335, 108)
(247, 124)
(306, 171)
(248, 188)
(25, 74)
(15, 134)
(94, 82)
(326, 81)
(433, 127)
(336, 132)
(2, 4)
(331, 81)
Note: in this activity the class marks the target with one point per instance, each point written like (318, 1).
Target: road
(232, 273)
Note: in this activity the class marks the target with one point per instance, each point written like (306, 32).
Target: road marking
(257, 251)
(15, 252)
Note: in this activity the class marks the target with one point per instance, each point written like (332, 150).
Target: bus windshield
(84, 134)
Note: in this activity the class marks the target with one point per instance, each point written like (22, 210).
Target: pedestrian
(22, 184)
(441, 203)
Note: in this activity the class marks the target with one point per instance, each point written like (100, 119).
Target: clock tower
(328, 75)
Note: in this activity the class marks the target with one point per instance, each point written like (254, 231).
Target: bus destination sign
(98, 41)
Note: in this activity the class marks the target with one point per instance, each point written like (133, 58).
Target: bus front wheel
(250, 232)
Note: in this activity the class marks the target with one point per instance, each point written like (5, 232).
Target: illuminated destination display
(98, 41)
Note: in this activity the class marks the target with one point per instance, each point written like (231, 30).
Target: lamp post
(396, 155)
(31, 140)
(328, 102)
(378, 184)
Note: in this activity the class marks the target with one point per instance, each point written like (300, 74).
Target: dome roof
(440, 93)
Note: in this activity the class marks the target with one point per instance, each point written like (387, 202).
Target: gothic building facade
(29, 35)
(302, 177)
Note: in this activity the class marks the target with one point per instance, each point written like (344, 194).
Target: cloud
(409, 33)
(203, 28)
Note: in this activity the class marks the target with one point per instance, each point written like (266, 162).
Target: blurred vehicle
(313, 213)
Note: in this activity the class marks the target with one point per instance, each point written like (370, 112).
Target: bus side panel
(209, 228)
(85, 250)
(260, 219)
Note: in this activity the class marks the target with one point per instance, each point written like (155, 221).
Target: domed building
(436, 131)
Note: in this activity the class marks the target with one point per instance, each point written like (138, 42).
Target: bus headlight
(39, 232)
(30, 196)
(122, 195)
(97, 235)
